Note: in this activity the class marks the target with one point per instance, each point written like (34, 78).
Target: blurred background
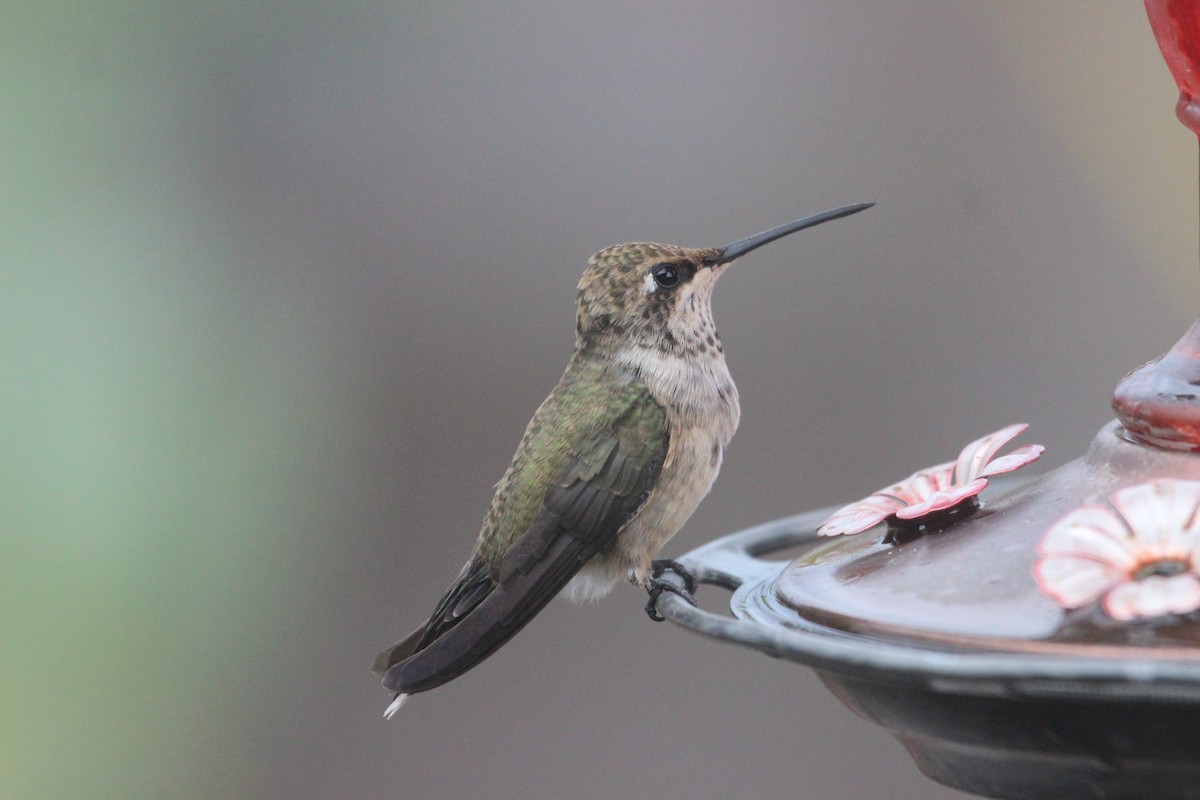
(280, 285)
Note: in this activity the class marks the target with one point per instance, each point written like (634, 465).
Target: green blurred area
(162, 419)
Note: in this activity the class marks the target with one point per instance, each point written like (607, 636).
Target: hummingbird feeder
(1061, 658)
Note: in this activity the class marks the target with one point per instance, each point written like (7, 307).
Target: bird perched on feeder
(612, 464)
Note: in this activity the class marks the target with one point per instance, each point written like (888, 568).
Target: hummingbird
(611, 466)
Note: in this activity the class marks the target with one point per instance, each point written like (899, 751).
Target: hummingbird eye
(666, 275)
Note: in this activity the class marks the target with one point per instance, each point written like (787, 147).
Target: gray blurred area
(343, 241)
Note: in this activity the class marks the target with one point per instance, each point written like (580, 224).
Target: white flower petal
(975, 455)
(1153, 597)
(1125, 602)
(847, 525)
(939, 501)
(1093, 532)
(1073, 581)
(1161, 514)
(857, 517)
(1184, 591)
(1014, 460)
(916, 488)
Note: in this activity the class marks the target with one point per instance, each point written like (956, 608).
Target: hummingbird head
(646, 294)
(660, 295)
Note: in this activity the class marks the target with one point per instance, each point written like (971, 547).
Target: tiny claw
(660, 565)
(657, 585)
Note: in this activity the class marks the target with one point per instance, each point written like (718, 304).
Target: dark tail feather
(512, 604)
(570, 529)
(397, 652)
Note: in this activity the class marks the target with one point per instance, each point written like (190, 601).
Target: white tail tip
(395, 706)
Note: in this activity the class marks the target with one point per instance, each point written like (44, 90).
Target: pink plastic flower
(1140, 559)
(942, 490)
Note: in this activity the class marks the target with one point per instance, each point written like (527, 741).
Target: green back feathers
(593, 416)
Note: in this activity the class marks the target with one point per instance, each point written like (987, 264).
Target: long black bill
(742, 246)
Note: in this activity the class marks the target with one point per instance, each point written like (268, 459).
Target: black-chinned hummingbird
(612, 464)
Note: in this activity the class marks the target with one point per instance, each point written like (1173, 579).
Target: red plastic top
(1176, 25)
(1159, 403)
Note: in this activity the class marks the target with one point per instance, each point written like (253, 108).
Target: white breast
(702, 412)
(695, 391)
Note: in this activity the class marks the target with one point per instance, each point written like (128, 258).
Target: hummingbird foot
(656, 585)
